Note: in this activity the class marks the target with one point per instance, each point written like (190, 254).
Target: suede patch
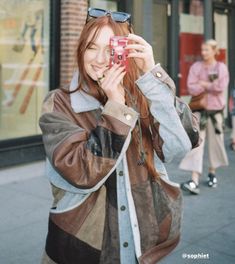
(92, 229)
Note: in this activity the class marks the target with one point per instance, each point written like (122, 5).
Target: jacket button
(120, 173)
(125, 244)
(128, 117)
(123, 208)
(158, 74)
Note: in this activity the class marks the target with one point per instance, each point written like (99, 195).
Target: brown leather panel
(72, 220)
(172, 191)
(79, 166)
(164, 228)
(148, 225)
(114, 125)
(153, 255)
(63, 247)
(87, 120)
(87, 233)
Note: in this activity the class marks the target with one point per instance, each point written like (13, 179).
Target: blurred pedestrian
(210, 77)
(232, 144)
(110, 203)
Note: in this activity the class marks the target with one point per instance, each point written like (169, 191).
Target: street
(207, 229)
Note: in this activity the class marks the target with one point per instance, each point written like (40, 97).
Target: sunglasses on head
(119, 17)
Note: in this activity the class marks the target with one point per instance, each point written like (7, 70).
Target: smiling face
(208, 53)
(97, 53)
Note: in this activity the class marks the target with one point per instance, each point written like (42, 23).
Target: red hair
(133, 73)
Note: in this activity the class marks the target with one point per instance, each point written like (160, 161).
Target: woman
(211, 77)
(110, 203)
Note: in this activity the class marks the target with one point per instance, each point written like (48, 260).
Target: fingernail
(118, 62)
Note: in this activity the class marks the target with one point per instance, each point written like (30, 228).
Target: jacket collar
(81, 101)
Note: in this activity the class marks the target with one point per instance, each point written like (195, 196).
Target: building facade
(38, 41)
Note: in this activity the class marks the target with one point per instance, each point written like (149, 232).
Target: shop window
(24, 61)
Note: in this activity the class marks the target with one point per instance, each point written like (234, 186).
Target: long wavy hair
(133, 95)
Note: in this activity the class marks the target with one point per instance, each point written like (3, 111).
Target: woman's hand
(111, 82)
(142, 52)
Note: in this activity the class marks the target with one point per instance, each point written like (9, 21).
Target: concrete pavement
(208, 228)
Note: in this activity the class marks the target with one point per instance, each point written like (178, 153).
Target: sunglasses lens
(96, 12)
(120, 17)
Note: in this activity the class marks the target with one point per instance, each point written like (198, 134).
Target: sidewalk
(207, 229)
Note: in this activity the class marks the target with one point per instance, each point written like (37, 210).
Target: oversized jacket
(106, 208)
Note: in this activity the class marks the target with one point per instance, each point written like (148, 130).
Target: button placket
(120, 173)
(125, 244)
(123, 208)
(127, 248)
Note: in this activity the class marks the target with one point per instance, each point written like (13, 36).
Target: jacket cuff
(156, 74)
(123, 113)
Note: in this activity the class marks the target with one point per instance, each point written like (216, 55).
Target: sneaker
(190, 186)
(232, 146)
(211, 181)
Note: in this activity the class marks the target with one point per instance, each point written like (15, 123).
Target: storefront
(26, 73)
(37, 46)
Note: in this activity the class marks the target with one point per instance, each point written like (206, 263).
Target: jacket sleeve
(221, 83)
(169, 137)
(84, 158)
(194, 88)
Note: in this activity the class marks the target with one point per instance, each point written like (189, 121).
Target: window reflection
(24, 65)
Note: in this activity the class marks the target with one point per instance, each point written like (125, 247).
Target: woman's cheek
(89, 55)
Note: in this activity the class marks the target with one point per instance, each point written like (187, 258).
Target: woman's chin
(92, 76)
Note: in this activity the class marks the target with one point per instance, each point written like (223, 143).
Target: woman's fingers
(137, 39)
(120, 78)
(141, 51)
(112, 69)
(136, 55)
(110, 79)
(137, 47)
(112, 85)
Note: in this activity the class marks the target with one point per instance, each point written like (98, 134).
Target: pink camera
(118, 54)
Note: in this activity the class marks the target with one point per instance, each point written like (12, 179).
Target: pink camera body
(117, 52)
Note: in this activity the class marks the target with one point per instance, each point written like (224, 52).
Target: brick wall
(73, 16)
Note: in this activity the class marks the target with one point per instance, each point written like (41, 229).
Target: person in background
(232, 144)
(211, 77)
